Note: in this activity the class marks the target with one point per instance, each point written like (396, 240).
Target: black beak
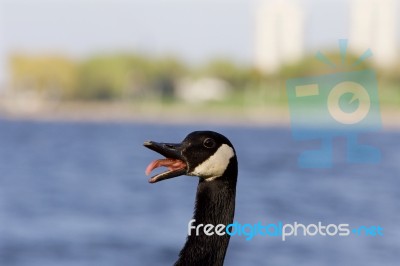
(168, 150)
(174, 160)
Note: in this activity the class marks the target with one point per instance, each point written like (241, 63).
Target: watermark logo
(283, 230)
(341, 104)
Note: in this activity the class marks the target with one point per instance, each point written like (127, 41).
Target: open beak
(174, 161)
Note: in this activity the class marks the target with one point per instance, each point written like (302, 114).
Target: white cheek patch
(215, 165)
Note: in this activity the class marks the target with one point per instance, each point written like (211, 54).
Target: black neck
(215, 204)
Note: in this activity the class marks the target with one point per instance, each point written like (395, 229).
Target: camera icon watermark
(341, 104)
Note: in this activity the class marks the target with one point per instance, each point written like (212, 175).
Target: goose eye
(209, 143)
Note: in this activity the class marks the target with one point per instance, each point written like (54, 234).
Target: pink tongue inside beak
(172, 164)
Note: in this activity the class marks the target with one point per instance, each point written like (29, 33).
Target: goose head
(206, 154)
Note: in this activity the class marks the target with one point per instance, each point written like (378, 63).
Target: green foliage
(140, 77)
(122, 76)
(102, 77)
(238, 76)
(54, 76)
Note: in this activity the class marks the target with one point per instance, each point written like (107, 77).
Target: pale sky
(195, 30)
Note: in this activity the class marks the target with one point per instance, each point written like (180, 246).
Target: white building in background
(202, 90)
(373, 25)
(279, 34)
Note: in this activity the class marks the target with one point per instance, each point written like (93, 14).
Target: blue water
(75, 194)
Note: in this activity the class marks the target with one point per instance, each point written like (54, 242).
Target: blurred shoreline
(167, 113)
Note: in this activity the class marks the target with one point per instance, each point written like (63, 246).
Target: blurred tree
(50, 76)
(126, 76)
(102, 77)
(164, 74)
(138, 77)
(237, 76)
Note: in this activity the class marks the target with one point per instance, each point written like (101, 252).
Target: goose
(211, 157)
